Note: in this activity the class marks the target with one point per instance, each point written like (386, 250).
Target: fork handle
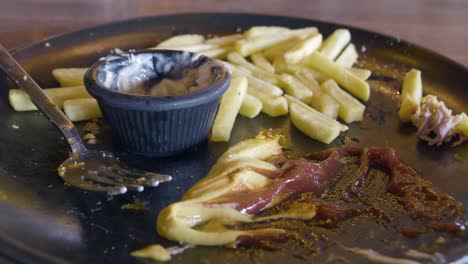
(41, 100)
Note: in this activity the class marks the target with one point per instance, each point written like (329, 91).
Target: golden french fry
(224, 40)
(304, 32)
(279, 50)
(303, 49)
(281, 66)
(154, 252)
(341, 75)
(245, 47)
(296, 88)
(237, 59)
(462, 126)
(257, 31)
(261, 62)
(411, 95)
(251, 106)
(316, 113)
(320, 100)
(318, 76)
(248, 46)
(68, 77)
(191, 48)
(217, 53)
(311, 125)
(271, 105)
(82, 109)
(363, 74)
(228, 109)
(236, 70)
(254, 148)
(181, 40)
(334, 44)
(351, 109)
(348, 57)
(20, 101)
(261, 85)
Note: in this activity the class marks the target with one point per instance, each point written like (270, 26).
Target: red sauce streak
(295, 177)
(313, 173)
(419, 196)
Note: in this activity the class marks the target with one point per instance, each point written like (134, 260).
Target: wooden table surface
(440, 25)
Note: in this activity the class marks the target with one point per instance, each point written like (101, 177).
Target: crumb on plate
(155, 252)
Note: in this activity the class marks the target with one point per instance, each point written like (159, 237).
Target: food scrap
(160, 253)
(90, 138)
(435, 122)
(437, 125)
(91, 129)
(378, 257)
(155, 252)
(136, 205)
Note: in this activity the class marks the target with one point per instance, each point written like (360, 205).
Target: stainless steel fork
(86, 169)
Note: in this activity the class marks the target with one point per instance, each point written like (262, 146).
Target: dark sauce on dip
(165, 74)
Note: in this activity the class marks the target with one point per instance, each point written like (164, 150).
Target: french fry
(462, 126)
(351, 109)
(264, 86)
(296, 88)
(257, 31)
(236, 70)
(154, 252)
(181, 40)
(334, 44)
(303, 49)
(320, 100)
(224, 40)
(271, 105)
(261, 62)
(411, 95)
(68, 77)
(348, 57)
(311, 125)
(82, 109)
(246, 47)
(363, 74)
(341, 75)
(253, 148)
(217, 53)
(281, 66)
(304, 32)
(190, 48)
(228, 109)
(251, 45)
(20, 101)
(318, 76)
(325, 119)
(237, 59)
(251, 106)
(261, 85)
(280, 49)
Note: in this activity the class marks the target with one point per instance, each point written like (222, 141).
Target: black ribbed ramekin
(156, 126)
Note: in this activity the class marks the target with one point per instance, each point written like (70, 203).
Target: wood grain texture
(440, 25)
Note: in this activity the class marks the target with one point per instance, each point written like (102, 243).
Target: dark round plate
(42, 220)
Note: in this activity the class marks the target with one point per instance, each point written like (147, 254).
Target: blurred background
(440, 25)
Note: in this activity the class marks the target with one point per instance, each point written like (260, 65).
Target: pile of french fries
(275, 70)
